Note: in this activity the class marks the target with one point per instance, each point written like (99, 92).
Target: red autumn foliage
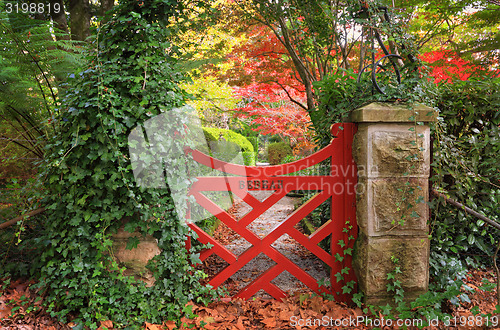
(447, 66)
(271, 110)
(266, 84)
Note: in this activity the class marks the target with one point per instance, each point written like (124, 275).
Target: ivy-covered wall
(89, 187)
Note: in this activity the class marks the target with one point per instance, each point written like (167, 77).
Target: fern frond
(33, 66)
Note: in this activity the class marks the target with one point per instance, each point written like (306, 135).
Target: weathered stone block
(372, 263)
(398, 153)
(398, 206)
(136, 259)
(378, 200)
(138, 256)
(388, 150)
(392, 112)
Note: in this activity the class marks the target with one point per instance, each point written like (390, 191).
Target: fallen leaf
(209, 319)
(5, 311)
(170, 325)
(336, 314)
(270, 322)
(317, 304)
(106, 325)
(150, 326)
(358, 312)
(239, 324)
(285, 315)
(232, 309)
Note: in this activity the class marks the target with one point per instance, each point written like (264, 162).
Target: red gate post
(343, 213)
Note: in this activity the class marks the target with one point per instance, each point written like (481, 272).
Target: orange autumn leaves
(262, 314)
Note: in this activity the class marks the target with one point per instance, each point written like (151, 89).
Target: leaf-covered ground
(20, 308)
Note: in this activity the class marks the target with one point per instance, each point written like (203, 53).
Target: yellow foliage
(212, 97)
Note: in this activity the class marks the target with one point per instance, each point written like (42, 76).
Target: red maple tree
(272, 96)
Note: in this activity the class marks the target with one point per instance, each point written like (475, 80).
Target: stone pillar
(392, 151)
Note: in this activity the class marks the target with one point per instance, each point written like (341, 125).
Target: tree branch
(291, 98)
(9, 223)
(466, 209)
(299, 65)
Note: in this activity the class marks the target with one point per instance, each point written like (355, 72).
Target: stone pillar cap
(392, 112)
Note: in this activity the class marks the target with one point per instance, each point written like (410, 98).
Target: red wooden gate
(339, 186)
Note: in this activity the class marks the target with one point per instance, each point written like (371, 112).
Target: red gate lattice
(339, 186)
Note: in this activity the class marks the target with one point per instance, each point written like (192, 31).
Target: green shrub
(209, 225)
(466, 165)
(226, 144)
(249, 158)
(255, 142)
(278, 151)
(211, 134)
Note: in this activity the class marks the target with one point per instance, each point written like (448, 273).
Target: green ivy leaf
(386, 310)
(348, 251)
(132, 242)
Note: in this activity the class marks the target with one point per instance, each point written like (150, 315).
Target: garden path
(262, 226)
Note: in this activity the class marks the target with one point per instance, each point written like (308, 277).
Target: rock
(136, 259)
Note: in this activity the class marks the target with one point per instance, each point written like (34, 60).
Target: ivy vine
(89, 188)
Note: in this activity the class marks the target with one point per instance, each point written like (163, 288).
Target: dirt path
(262, 226)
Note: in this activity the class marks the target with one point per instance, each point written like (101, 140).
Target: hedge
(278, 151)
(227, 148)
(466, 165)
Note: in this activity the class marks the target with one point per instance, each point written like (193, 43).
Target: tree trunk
(79, 11)
(60, 20)
(106, 5)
